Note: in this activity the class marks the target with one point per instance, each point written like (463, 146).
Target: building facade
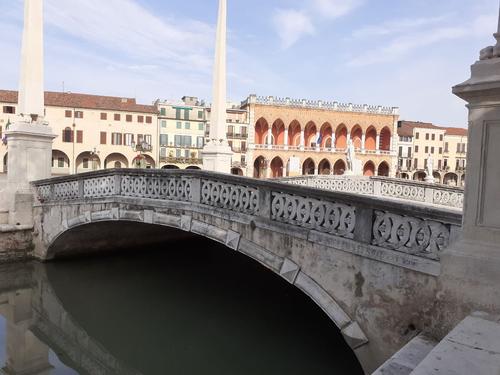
(293, 137)
(181, 127)
(447, 146)
(93, 132)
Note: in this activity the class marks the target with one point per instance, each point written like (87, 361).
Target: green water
(188, 308)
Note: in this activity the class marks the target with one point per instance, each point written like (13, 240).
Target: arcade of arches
(316, 141)
(367, 139)
(280, 167)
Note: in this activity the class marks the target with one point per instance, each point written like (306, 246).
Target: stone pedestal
(30, 159)
(217, 158)
(430, 179)
(357, 168)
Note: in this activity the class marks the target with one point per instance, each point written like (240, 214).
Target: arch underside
(182, 219)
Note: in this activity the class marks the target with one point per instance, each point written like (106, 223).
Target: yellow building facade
(446, 146)
(93, 132)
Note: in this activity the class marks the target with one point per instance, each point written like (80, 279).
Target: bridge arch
(182, 226)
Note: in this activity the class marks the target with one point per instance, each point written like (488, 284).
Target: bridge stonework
(373, 266)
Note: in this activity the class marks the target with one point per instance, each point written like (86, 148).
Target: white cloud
(397, 26)
(291, 25)
(402, 46)
(336, 8)
(127, 28)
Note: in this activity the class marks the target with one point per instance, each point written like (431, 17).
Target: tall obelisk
(217, 155)
(29, 139)
(31, 100)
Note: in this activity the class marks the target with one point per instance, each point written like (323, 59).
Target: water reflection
(197, 310)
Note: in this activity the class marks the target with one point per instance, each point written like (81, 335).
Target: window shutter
(79, 136)
(103, 138)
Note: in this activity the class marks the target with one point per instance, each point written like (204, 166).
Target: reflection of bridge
(342, 250)
(37, 321)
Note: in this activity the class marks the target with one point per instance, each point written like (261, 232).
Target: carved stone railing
(371, 224)
(320, 104)
(423, 193)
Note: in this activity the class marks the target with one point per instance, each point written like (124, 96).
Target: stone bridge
(372, 265)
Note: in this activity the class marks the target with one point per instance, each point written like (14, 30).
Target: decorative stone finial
(492, 52)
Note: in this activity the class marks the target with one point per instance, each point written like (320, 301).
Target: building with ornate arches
(315, 134)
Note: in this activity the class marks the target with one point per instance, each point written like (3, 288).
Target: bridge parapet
(406, 232)
(415, 191)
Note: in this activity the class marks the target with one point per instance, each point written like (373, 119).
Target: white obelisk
(29, 139)
(31, 100)
(217, 155)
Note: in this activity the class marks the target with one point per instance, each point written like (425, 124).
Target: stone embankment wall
(16, 243)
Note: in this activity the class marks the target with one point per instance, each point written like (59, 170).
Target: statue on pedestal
(430, 169)
(354, 166)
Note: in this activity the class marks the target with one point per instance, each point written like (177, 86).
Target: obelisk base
(217, 158)
(30, 159)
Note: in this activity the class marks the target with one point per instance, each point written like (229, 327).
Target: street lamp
(141, 148)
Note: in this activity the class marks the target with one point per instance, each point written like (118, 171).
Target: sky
(398, 53)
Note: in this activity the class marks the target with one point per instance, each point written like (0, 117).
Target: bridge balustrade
(416, 230)
(433, 194)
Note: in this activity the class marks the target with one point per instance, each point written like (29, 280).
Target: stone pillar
(470, 276)
(286, 139)
(363, 141)
(334, 139)
(377, 144)
(217, 155)
(482, 203)
(317, 144)
(29, 137)
(302, 139)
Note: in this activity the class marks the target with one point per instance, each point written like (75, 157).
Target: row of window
(441, 164)
(431, 149)
(461, 149)
(430, 136)
(9, 109)
(117, 117)
(117, 139)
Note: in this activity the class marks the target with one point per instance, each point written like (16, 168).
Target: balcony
(237, 135)
(321, 150)
(180, 160)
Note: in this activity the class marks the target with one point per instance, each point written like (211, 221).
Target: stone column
(471, 265)
(29, 137)
(334, 139)
(217, 155)
(286, 139)
(302, 140)
(317, 144)
(270, 138)
(377, 144)
(363, 140)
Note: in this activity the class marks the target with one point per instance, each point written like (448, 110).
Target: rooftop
(405, 128)
(84, 101)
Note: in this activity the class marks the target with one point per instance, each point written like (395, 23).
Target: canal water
(188, 308)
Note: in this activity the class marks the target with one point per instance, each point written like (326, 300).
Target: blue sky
(405, 53)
